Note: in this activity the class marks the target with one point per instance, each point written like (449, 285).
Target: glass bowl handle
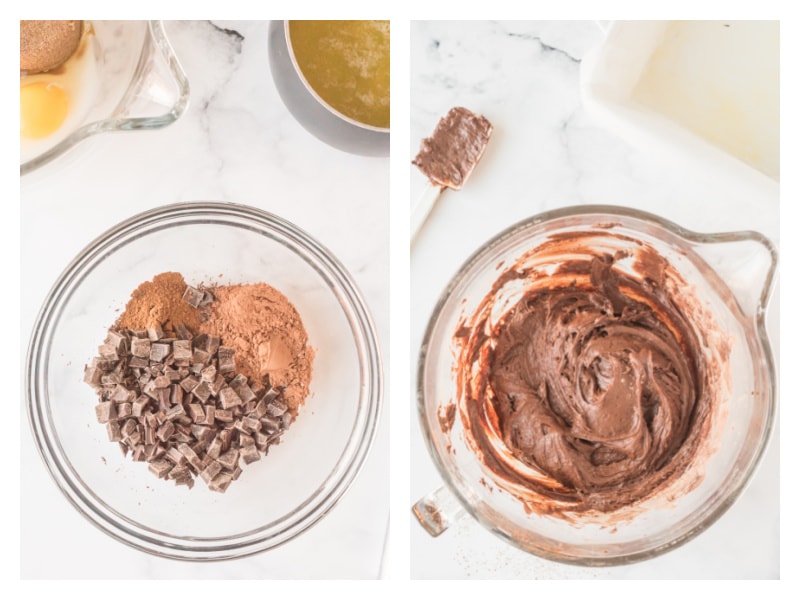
(746, 261)
(437, 511)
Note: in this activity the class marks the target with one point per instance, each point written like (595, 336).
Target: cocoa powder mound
(160, 302)
(264, 329)
(267, 335)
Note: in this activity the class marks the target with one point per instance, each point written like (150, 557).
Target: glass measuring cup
(136, 83)
(730, 274)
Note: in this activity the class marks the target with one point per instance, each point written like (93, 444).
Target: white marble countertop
(546, 152)
(237, 142)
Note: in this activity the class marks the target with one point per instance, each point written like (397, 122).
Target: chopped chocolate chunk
(229, 459)
(155, 333)
(226, 436)
(121, 394)
(92, 375)
(270, 425)
(214, 448)
(139, 406)
(202, 390)
(139, 363)
(239, 385)
(105, 411)
(165, 431)
(208, 298)
(270, 395)
(108, 352)
(201, 356)
(174, 412)
(220, 483)
(183, 332)
(203, 433)
(149, 435)
(180, 472)
(117, 341)
(163, 396)
(175, 394)
(138, 454)
(114, 432)
(224, 416)
(128, 428)
(182, 350)
(226, 364)
(250, 424)
(210, 471)
(260, 409)
(173, 374)
(140, 348)
(197, 413)
(276, 408)
(160, 468)
(158, 352)
(262, 440)
(189, 383)
(219, 383)
(193, 297)
(249, 453)
(110, 378)
(212, 344)
(209, 374)
(124, 410)
(228, 398)
(175, 457)
(103, 364)
(190, 455)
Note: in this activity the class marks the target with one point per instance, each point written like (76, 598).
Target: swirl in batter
(590, 391)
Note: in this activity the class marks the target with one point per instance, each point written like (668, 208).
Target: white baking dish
(702, 94)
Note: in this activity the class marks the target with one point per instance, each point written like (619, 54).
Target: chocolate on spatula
(448, 157)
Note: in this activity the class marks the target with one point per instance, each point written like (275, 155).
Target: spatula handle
(423, 206)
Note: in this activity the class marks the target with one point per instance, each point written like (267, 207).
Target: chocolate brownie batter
(592, 391)
(448, 157)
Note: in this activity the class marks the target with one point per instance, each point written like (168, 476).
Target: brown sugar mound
(45, 45)
(160, 302)
(267, 335)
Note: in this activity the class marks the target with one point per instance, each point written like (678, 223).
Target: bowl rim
(343, 473)
(606, 211)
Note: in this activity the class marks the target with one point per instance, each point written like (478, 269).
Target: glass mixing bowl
(730, 275)
(274, 499)
(133, 82)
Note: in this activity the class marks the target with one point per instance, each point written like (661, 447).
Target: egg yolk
(43, 108)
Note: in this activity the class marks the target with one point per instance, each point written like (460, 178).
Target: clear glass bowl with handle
(274, 499)
(730, 274)
(133, 81)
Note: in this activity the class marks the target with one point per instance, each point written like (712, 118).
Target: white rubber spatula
(448, 157)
